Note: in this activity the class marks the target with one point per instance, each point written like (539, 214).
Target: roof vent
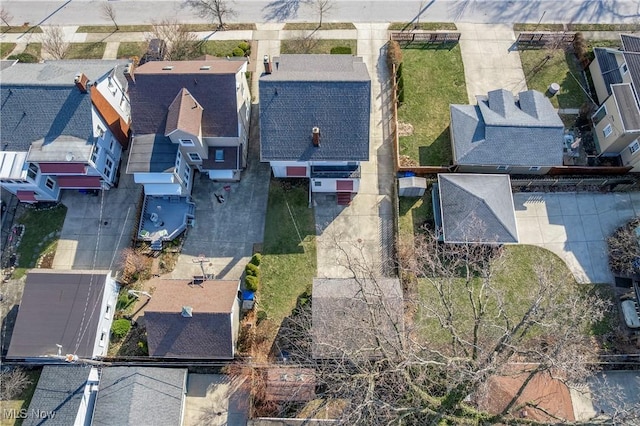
(315, 133)
(167, 68)
(187, 311)
(205, 67)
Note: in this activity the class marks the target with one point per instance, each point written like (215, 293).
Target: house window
(607, 130)
(108, 168)
(112, 144)
(123, 102)
(186, 142)
(95, 154)
(103, 336)
(100, 131)
(194, 156)
(178, 161)
(625, 69)
(112, 87)
(32, 173)
(317, 183)
(50, 183)
(634, 147)
(600, 114)
(502, 168)
(187, 174)
(219, 158)
(534, 168)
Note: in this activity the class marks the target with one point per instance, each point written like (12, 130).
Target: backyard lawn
(85, 51)
(6, 48)
(313, 45)
(414, 212)
(543, 66)
(433, 79)
(288, 254)
(42, 228)
(21, 402)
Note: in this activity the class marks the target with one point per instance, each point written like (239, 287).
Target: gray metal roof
(60, 389)
(630, 43)
(332, 92)
(153, 93)
(501, 130)
(140, 396)
(52, 311)
(608, 66)
(633, 64)
(152, 153)
(58, 73)
(477, 208)
(627, 105)
(350, 317)
(49, 113)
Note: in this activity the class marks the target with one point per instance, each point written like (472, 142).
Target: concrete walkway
(362, 234)
(490, 60)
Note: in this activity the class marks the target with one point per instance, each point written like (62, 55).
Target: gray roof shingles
(152, 154)
(356, 318)
(59, 72)
(501, 131)
(332, 92)
(140, 396)
(608, 66)
(59, 391)
(477, 208)
(52, 311)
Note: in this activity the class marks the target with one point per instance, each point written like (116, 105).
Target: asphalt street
(89, 12)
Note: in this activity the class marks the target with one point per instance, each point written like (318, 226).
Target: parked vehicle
(156, 51)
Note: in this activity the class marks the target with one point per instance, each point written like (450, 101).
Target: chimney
(128, 73)
(82, 82)
(267, 64)
(315, 133)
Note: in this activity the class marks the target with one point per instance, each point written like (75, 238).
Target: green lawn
(313, 45)
(129, 49)
(86, 51)
(21, 402)
(20, 29)
(288, 264)
(112, 28)
(414, 212)
(433, 79)
(540, 71)
(314, 26)
(220, 48)
(425, 26)
(514, 278)
(6, 48)
(39, 237)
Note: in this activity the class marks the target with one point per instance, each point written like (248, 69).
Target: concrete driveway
(575, 227)
(226, 232)
(97, 228)
(215, 400)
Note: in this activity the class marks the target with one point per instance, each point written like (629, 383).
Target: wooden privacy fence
(544, 39)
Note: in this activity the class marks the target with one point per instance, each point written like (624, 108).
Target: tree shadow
(438, 153)
(8, 323)
(281, 10)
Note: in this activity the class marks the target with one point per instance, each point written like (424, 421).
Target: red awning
(26, 196)
(79, 182)
(344, 185)
(55, 168)
(296, 171)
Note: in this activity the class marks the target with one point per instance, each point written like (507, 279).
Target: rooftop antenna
(201, 260)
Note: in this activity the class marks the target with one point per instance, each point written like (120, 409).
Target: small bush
(27, 58)
(120, 328)
(237, 52)
(252, 270)
(244, 46)
(261, 316)
(394, 54)
(256, 259)
(580, 49)
(124, 301)
(144, 348)
(251, 283)
(341, 50)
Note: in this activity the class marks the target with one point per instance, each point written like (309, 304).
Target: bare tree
(460, 328)
(12, 383)
(181, 43)
(302, 43)
(5, 17)
(109, 12)
(53, 42)
(624, 250)
(216, 10)
(323, 7)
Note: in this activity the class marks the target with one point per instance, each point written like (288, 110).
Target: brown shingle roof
(207, 333)
(185, 113)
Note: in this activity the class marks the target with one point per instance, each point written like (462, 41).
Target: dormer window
(219, 158)
(186, 142)
(100, 131)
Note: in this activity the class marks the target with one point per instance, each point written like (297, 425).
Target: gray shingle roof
(608, 66)
(59, 391)
(627, 105)
(152, 94)
(477, 208)
(48, 113)
(503, 131)
(332, 92)
(349, 316)
(152, 153)
(58, 73)
(52, 311)
(630, 43)
(140, 396)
